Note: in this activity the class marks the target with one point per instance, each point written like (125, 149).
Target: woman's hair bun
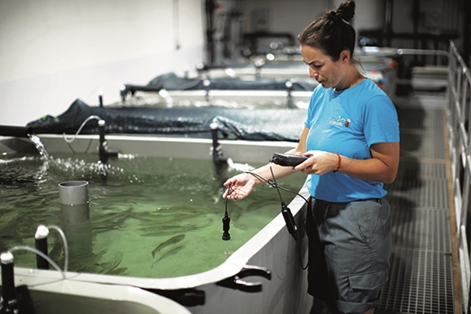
(345, 11)
(332, 32)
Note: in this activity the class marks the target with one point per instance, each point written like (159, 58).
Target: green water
(149, 217)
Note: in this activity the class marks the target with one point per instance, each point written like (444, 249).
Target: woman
(351, 136)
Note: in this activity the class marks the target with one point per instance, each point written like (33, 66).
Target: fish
(111, 216)
(172, 240)
(117, 271)
(107, 267)
(169, 253)
(56, 250)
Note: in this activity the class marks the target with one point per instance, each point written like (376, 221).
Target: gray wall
(436, 16)
(293, 16)
(275, 16)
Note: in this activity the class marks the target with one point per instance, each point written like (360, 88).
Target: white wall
(54, 51)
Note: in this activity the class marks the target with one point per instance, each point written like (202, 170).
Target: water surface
(149, 217)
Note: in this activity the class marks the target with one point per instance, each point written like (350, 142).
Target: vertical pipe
(210, 6)
(218, 159)
(40, 237)
(9, 302)
(101, 148)
(74, 202)
(416, 19)
(207, 88)
(75, 214)
(467, 32)
(214, 135)
(289, 99)
(100, 100)
(388, 30)
(176, 25)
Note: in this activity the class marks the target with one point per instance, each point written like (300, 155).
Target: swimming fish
(118, 271)
(56, 251)
(170, 241)
(108, 267)
(169, 253)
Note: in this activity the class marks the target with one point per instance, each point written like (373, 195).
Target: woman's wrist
(255, 178)
(339, 162)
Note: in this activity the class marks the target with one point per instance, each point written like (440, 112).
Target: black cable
(275, 185)
(287, 215)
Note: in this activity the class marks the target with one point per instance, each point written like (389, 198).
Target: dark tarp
(258, 124)
(170, 81)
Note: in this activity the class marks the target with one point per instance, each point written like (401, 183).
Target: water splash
(39, 146)
(238, 166)
(76, 168)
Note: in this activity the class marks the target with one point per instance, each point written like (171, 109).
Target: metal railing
(458, 119)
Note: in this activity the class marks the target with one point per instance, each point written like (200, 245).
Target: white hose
(47, 258)
(66, 246)
(71, 139)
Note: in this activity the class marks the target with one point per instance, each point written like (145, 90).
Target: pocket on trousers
(369, 281)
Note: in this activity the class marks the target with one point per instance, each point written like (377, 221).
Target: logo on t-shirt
(339, 121)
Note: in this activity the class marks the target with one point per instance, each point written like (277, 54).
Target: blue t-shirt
(348, 123)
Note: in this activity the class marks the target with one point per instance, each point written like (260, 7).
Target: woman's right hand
(239, 186)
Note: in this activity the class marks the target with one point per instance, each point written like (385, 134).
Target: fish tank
(152, 217)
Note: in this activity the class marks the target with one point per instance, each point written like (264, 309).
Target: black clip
(235, 282)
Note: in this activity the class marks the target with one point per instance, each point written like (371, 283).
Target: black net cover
(170, 81)
(258, 124)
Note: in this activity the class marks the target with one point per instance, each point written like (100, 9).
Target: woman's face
(321, 67)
